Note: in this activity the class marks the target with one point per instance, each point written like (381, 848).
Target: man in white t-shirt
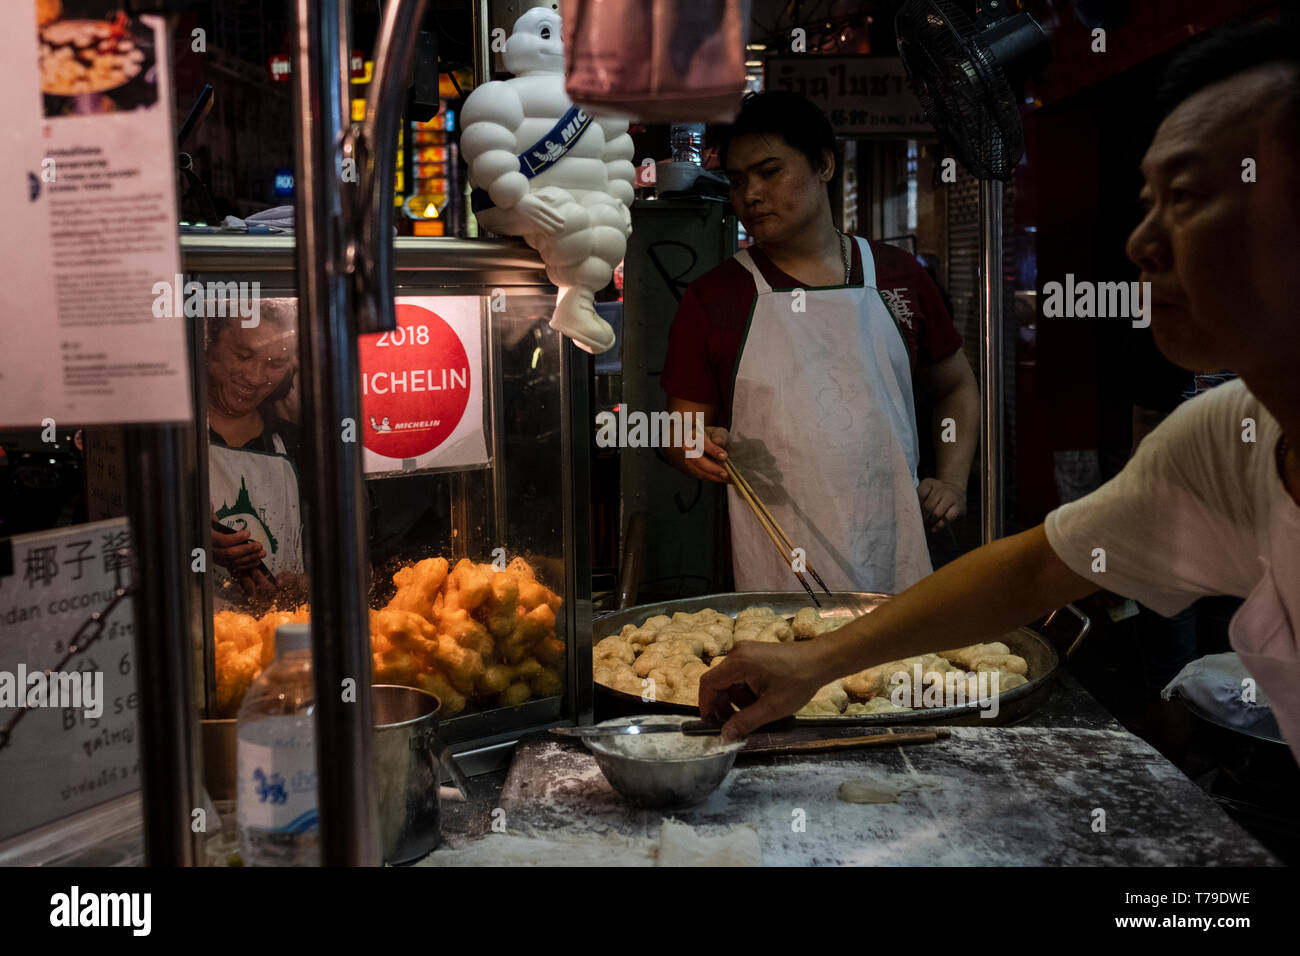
(1209, 504)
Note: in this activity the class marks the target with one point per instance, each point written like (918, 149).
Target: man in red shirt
(800, 353)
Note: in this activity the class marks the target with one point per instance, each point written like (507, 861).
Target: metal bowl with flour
(662, 770)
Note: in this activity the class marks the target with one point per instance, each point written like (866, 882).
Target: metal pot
(409, 760)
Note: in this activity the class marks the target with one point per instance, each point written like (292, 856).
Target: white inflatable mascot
(545, 170)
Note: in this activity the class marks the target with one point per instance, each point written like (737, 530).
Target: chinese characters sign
(60, 760)
(861, 95)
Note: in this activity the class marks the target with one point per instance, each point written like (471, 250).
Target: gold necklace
(844, 254)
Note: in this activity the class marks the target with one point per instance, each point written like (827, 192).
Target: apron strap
(746, 260)
(868, 267)
(868, 263)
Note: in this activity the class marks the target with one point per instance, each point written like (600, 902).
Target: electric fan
(964, 69)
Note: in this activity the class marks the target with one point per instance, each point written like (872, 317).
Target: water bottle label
(277, 776)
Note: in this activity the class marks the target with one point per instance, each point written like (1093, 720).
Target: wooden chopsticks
(774, 530)
(831, 744)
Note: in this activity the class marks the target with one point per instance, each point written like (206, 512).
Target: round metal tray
(1013, 704)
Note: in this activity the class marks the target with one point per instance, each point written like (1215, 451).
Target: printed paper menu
(89, 182)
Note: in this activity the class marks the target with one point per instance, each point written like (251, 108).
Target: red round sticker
(415, 384)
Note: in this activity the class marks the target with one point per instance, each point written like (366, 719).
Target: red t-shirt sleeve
(937, 338)
(688, 373)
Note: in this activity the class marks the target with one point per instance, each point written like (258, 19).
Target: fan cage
(961, 87)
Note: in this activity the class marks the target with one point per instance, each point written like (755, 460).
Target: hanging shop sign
(68, 736)
(422, 387)
(861, 95)
(88, 185)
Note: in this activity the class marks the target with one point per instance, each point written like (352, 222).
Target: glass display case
(474, 424)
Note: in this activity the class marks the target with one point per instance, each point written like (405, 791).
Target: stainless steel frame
(468, 267)
(161, 539)
(992, 479)
(345, 286)
(334, 522)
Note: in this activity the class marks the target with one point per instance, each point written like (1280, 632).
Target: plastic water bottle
(277, 810)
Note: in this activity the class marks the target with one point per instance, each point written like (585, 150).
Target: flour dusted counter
(1024, 795)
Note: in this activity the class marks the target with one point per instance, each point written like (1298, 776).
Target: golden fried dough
(514, 695)
(658, 654)
(417, 585)
(549, 650)
(502, 606)
(616, 674)
(529, 630)
(453, 701)
(964, 656)
(494, 679)
(548, 683)
(461, 665)
(686, 681)
(829, 700)
(468, 586)
(805, 623)
(876, 705)
(772, 630)
(533, 594)
(393, 628)
(395, 666)
(521, 569)
(878, 681)
(614, 647)
(466, 631)
(1007, 663)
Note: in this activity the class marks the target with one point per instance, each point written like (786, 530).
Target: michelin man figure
(545, 170)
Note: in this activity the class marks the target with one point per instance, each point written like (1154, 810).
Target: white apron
(824, 428)
(257, 492)
(1265, 631)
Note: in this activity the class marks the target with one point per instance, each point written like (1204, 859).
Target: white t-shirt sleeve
(1178, 522)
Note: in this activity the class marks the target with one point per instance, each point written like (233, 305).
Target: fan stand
(992, 484)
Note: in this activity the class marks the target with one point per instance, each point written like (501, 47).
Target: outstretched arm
(977, 597)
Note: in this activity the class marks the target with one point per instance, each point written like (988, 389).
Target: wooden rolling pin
(849, 743)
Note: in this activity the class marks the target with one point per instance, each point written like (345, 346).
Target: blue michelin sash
(543, 154)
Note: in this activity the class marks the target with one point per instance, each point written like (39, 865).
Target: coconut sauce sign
(422, 387)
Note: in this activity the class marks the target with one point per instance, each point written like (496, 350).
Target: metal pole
(992, 485)
(157, 504)
(334, 519)
(480, 24)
